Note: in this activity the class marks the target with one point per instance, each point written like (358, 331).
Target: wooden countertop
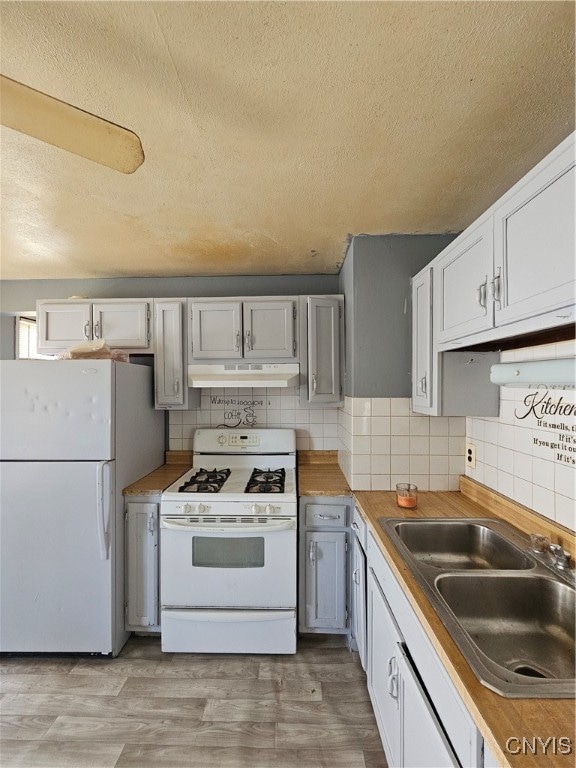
(320, 475)
(498, 718)
(177, 462)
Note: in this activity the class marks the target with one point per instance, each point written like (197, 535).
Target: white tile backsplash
(316, 428)
(402, 446)
(529, 452)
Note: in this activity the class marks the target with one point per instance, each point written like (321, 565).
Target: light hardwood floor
(148, 709)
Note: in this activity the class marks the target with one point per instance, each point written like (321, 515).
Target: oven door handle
(246, 529)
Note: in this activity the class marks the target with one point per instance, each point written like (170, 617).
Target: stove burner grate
(266, 481)
(205, 481)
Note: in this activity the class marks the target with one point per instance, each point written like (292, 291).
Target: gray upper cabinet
(216, 329)
(123, 323)
(251, 329)
(269, 329)
(324, 313)
(170, 382)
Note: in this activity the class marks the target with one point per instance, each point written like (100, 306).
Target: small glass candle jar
(406, 495)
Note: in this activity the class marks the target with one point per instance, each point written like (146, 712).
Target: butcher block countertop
(498, 718)
(320, 475)
(177, 462)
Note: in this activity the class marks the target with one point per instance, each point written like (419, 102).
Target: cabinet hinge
(340, 310)
(346, 546)
(294, 312)
(294, 346)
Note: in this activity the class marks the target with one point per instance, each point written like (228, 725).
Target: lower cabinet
(358, 587)
(323, 571)
(422, 720)
(142, 559)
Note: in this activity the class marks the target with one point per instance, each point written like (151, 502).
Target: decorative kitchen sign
(552, 414)
(238, 411)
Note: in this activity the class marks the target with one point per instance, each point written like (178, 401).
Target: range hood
(244, 375)
(559, 373)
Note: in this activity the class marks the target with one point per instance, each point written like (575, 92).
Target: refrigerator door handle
(102, 507)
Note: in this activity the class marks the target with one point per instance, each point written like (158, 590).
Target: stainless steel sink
(511, 615)
(520, 627)
(460, 545)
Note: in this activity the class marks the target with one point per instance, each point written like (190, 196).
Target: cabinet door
(326, 579)
(359, 599)
(216, 330)
(268, 329)
(534, 244)
(142, 564)
(383, 672)
(169, 374)
(461, 284)
(422, 340)
(122, 323)
(323, 349)
(62, 324)
(424, 743)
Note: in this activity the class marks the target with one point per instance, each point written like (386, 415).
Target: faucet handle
(539, 543)
(560, 557)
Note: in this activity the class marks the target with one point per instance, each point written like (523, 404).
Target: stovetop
(225, 484)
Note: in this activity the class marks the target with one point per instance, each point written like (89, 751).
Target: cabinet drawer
(326, 515)
(359, 527)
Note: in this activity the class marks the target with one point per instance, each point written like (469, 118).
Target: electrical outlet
(470, 455)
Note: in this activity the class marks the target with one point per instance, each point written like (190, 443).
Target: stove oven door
(228, 564)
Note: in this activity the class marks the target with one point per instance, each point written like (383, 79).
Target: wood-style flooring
(148, 709)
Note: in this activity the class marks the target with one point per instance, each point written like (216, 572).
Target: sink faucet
(553, 555)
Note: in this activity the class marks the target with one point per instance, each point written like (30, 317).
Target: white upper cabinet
(255, 329)
(324, 349)
(534, 247)
(123, 323)
(512, 271)
(422, 340)
(461, 276)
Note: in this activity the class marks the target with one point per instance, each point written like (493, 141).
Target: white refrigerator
(73, 434)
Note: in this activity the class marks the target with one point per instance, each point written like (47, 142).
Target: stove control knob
(201, 509)
(255, 509)
(186, 508)
(269, 509)
(222, 439)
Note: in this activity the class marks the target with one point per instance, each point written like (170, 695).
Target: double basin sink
(511, 615)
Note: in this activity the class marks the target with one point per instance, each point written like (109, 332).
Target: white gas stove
(228, 545)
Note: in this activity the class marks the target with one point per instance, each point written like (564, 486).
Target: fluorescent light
(559, 373)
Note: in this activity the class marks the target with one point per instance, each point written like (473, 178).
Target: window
(26, 339)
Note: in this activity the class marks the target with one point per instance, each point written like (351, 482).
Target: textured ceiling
(274, 130)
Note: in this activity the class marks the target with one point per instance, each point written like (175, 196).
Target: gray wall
(21, 295)
(7, 337)
(375, 281)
